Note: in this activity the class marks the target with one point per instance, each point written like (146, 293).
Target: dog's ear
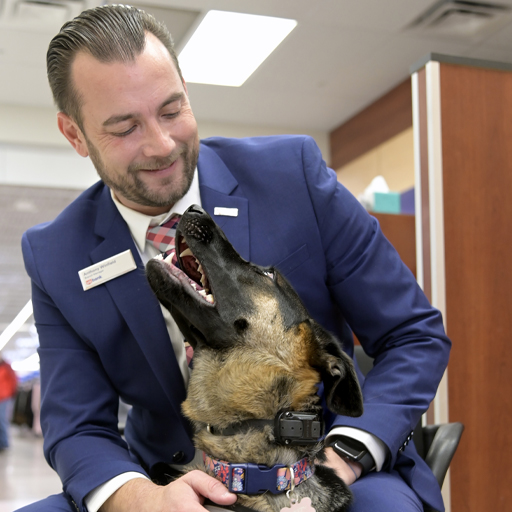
(342, 391)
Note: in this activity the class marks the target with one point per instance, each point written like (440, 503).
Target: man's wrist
(377, 448)
(355, 467)
(133, 495)
(95, 499)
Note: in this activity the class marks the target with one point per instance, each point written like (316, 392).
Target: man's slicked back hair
(110, 33)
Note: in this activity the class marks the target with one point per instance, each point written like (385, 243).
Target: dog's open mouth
(183, 265)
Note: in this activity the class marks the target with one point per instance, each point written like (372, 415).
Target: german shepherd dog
(258, 361)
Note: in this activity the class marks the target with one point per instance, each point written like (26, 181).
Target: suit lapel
(218, 188)
(143, 316)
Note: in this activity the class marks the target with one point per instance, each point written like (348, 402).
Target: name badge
(106, 270)
(226, 212)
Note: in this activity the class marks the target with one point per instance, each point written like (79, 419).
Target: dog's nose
(196, 209)
(198, 224)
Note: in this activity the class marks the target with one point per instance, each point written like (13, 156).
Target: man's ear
(342, 391)
(73, 133)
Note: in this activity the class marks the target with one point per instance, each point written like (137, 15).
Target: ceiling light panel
(228, 47)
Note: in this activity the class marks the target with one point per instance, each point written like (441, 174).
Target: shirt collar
(138, 223)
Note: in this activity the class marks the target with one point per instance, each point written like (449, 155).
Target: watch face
(350, 448)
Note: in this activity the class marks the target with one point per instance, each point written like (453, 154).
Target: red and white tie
(163, 238)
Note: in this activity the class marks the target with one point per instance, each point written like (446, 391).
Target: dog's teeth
(169, 258)
(202, 292)
(203, 280)
(194, 285)
(159, 257)
(209, 298)
(200, 268)
(186, 252)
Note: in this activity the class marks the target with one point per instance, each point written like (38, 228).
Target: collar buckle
(249, 478)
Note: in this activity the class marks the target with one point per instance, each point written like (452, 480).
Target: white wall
(40, 166)
(34, 153)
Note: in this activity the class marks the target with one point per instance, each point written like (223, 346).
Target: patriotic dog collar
(249, 478)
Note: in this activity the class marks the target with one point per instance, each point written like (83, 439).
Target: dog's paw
(340, 495)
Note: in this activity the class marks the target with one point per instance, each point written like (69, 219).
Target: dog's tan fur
(241, 385)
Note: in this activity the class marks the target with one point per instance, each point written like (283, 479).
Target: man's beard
(131, 187)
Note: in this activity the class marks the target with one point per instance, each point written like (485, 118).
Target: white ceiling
(342, 56)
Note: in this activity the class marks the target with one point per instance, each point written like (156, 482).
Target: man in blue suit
(123, 102)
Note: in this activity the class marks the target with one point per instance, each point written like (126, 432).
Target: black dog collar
(290, 428)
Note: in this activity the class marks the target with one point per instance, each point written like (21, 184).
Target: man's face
(138, 127)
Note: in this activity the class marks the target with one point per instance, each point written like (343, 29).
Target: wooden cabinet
(463, 129)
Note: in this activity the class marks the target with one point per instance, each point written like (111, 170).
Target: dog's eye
(241, 324)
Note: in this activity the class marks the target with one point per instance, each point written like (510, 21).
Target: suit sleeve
(79, 413)
(384, 307)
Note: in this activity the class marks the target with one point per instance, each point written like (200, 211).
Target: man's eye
(124, 134)
(172, 115)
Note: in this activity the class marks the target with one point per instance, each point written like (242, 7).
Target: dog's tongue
(190, 267)
(189, 264)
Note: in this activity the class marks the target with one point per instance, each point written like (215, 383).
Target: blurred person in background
(8, 386)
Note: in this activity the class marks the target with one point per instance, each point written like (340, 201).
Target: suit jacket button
(178, 457)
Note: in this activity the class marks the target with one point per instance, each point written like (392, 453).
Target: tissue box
(386, 202)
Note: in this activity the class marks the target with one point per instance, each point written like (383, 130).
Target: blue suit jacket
(111, 341)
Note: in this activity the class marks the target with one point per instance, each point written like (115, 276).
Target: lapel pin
(226, 212)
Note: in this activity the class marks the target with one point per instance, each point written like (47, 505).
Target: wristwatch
(353, 451)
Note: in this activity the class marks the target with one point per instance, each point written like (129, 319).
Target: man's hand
(186, 494)
(349, 473)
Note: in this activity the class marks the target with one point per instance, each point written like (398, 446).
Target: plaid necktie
(163, 238)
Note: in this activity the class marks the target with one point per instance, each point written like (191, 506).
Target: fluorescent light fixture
(13, 327)
(228, 47)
